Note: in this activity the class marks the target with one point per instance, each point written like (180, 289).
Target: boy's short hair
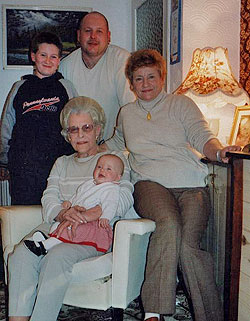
(46, 37)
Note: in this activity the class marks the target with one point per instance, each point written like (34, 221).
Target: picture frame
(240, 132)
(21, 22)
(175, 32)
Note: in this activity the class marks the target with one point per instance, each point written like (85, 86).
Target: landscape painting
(20, 23)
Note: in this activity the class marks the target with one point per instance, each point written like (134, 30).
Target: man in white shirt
(97, 68)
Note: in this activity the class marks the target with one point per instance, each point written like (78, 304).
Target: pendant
(148, 116)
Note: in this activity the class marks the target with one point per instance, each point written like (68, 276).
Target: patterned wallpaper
(211, 23)
(245, 45)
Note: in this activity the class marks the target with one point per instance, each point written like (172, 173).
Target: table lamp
(211, 84)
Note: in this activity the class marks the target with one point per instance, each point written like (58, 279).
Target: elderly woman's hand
(74, 214)
(70, 228)
(71, 218)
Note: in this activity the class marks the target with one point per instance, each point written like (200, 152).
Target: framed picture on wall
(20, 23)
(175, 32)
(240, 133)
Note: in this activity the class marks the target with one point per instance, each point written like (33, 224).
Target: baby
(102, 190)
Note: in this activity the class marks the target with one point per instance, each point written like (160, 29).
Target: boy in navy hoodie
(30, 130)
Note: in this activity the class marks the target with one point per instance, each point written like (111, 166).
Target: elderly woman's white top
(164, 149)
(68, 173)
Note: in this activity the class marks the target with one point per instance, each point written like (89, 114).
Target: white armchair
(112, 280)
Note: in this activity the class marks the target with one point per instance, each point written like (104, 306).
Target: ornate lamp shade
(211, 84)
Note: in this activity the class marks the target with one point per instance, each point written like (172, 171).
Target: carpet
(132, 313)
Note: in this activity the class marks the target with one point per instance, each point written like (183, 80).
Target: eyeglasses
(87, 128)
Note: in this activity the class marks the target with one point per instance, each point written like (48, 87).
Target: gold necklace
(147, 111)
(149, 116)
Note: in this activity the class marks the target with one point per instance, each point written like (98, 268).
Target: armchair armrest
(129, 258)
(17, 221)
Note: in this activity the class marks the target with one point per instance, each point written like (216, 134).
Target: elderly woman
(165, 135)
(37, 284)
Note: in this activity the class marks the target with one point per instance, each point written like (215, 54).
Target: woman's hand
(71, 218)
(70, 228)
(72, 215)
(223, 151)
(215, 151)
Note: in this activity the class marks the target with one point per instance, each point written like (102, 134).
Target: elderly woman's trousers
(37, 285)
(181, 216)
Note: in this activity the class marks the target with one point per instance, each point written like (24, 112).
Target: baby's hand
(66, 205)
(103, 222)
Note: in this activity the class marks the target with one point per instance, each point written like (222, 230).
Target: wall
(118, 13)
(205, 23)
(211, 23)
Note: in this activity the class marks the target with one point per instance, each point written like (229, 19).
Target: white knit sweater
(167, 148)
